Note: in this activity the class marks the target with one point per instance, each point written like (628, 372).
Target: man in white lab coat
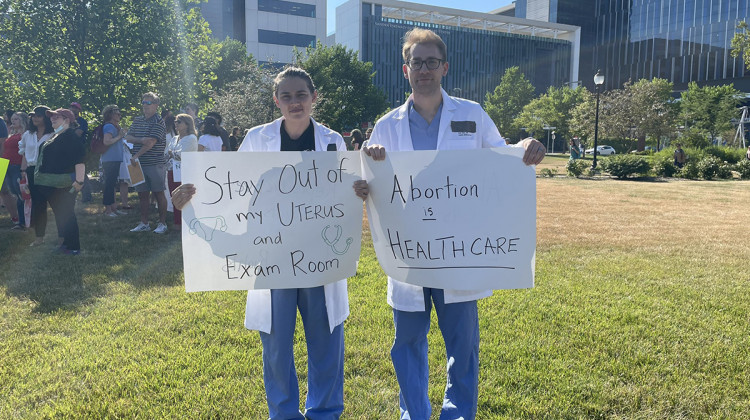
(432, 120)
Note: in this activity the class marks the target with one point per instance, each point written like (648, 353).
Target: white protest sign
(270, 220)
(454, 219)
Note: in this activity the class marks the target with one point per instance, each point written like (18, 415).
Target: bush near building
(627, 165)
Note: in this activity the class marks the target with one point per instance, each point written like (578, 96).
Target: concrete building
(269, 28)
(481, 46)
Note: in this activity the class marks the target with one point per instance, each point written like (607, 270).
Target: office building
(269, 28)
(678, 40)
(481, 46)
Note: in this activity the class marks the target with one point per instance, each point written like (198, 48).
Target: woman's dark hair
(357, 135)
(41, 109)
(169, 121)
(211, 127)
(292, 72)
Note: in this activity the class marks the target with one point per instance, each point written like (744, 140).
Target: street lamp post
(598, 81)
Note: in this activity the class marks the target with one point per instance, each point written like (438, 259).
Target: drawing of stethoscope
(333, 243)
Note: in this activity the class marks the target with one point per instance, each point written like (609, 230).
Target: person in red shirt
(11, 190)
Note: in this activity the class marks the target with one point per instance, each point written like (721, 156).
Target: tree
(346, 95)
(507, 101)
(741, 43)
(554, 108)
(640, 109)
(652, 110)
(709, 108)
(106, 51)
(233, 61)
(248, 100)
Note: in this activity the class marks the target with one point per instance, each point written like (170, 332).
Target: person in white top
(424, 123)
(39, 131)
(184, 141)
(274, 312)
(210, 141)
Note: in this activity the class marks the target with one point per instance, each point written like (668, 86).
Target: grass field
(640, 311)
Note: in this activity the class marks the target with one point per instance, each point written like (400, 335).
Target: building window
(285, 38)
(287, 8)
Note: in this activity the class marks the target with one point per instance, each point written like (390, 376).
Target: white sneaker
(113, 214)
(118, 211)
(142, 227)
(161, 228)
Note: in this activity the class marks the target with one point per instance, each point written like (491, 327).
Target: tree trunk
(641, 144)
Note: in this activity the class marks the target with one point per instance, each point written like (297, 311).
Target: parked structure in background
(269, 28)
(679, 40)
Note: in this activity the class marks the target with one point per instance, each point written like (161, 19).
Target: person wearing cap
(59, 156)
(148, 135)
(82, 131)
(39, 130)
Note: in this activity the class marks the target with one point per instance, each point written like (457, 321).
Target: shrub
(689, 171)
(726, 154)
(708, 167)
(548, 173)
(663, 165)
(725, 171)
(623, 166)
(743, 167)
(576, 167)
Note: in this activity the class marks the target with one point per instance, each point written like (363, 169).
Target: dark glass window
(285, 38)
(287, 8)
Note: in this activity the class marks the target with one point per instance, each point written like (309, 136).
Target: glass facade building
(478, 58)
(678, 40)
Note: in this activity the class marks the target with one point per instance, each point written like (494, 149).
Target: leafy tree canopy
(506, 102)
(106, 51)
(346, 95)
(710, 108)
(554, 109)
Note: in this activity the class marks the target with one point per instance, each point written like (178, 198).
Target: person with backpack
(107, 137)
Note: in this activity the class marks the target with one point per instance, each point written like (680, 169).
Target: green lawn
(640, 311)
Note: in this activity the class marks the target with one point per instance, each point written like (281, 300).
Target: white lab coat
(267, 138)
(392, 132)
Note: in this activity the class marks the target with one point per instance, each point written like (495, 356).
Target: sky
(472, 5)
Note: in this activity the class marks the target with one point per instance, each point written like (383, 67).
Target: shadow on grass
(110, 254)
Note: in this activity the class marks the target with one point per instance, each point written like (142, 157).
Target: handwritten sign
(270, 220)
(455, 219)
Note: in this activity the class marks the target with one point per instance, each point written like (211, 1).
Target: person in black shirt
(59, 156)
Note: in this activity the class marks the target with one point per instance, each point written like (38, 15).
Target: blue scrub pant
(325, 357)
(459, 325)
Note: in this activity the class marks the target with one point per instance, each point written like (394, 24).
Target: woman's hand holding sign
(182, 195)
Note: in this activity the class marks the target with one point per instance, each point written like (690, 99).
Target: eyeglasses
(432, 64)
(147, 102)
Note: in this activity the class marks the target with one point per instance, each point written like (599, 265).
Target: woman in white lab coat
(323, 309)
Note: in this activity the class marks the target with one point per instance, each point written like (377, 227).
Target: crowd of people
(46, 150)
(155, 142)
